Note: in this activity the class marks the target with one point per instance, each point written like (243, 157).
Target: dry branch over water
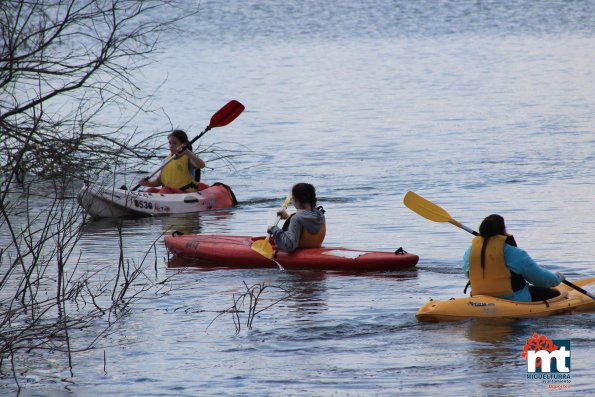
(67, 66)
(49, 298)
(248, 303)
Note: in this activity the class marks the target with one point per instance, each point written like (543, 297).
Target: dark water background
(480, 106)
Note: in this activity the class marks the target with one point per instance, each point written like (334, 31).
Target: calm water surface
(480, 106)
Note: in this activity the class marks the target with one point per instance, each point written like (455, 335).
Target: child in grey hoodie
(306, 228)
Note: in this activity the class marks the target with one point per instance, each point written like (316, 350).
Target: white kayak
(102, 202)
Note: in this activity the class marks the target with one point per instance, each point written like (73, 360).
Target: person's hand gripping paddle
(264, 247)
(224, 116)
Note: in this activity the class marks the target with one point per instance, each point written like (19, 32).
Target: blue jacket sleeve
(466, 262)
(519, 261)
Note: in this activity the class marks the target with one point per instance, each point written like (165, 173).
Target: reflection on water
(492, 331)
(95, 229)
(308, 293)
(494, 345)
(188, 223)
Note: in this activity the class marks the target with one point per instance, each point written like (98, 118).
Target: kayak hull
(101, 202)
(482, 306)
(236, 251)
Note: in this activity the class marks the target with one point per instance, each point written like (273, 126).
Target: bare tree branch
(66, 68)
(65, 65)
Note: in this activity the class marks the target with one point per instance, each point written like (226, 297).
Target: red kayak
(218, 250)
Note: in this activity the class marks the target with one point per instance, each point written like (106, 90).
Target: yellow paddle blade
(263, 247)
(425, 208)
(431, 211)
(287, 201)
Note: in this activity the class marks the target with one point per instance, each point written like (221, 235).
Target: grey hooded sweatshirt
(289, 240)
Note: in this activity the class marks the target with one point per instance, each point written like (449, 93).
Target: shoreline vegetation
(61, 81)
(63, 66)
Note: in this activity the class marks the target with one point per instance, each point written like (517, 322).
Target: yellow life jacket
(177, 174)
(312, 240)
(494, 279)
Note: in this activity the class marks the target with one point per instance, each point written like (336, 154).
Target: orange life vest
(495, 278)
(312, 240)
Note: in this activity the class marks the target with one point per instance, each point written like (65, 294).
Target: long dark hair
(491, 226)
(182, 137)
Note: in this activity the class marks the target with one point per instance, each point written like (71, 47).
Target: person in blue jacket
(496, 267)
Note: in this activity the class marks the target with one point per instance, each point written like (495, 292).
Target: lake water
(480, 106)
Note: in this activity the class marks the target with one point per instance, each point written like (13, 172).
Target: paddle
(264, 247)
(224, 116)
(431, 211)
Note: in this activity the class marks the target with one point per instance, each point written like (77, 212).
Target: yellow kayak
(569, 301)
